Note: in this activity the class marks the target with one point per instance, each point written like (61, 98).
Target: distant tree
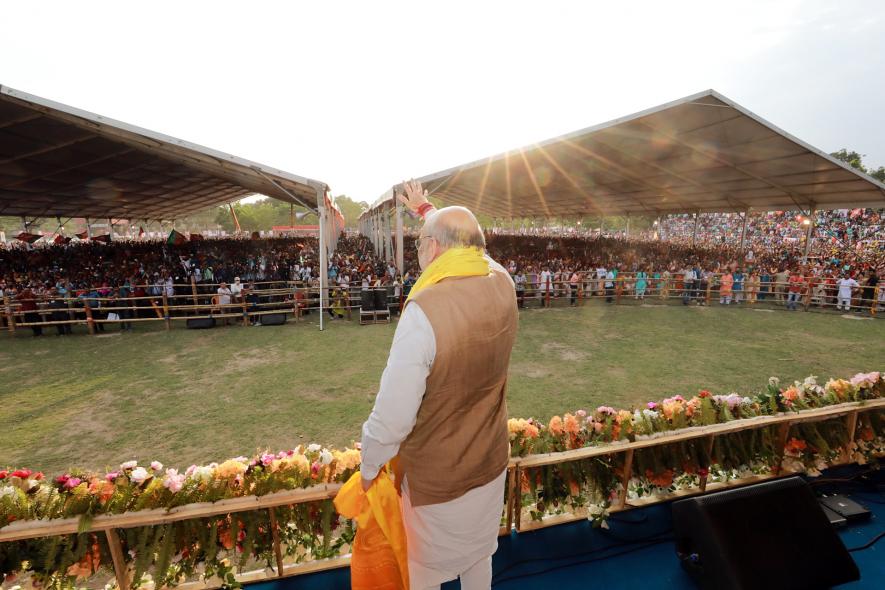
(855, 160)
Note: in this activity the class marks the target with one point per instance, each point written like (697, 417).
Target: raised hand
(414, 195)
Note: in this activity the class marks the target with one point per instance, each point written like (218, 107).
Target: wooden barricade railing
(512, 511)
(783, 421)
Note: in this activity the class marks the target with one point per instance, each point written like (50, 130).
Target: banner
(27, 237)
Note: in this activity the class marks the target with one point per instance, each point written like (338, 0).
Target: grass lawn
(196, 396)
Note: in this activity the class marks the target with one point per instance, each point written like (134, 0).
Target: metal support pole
(809, 234)
(627, 230)
(744, 231)
(324, 263)
(400, 242)
(694, 232)
(388, 237)
(88, 228)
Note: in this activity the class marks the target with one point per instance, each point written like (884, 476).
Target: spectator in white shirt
(846, 286)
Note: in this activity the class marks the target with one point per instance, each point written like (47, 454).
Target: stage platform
(635, 553)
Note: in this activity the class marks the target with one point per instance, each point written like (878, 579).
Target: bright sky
(364, 94)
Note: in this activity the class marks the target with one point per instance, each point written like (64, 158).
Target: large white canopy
(56, 160)
(701, 153)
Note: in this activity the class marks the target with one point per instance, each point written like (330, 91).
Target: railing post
(625, 478)
(783, 432)
(10, 317)
(166, 317)
(708, 445)
(875, 302)
(90, 322)
(117, 556)
(194, 293)
(275, 533)
(517, 502)
(619, 288)
(851, 427)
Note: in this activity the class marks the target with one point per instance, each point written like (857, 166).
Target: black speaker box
(367, 301)
(200, 323)
(273, 319)
(380, 299)
(770, 535)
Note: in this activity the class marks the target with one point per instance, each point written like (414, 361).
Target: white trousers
(455, 539)
(846, 301)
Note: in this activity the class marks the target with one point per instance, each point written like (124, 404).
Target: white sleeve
(402, 390)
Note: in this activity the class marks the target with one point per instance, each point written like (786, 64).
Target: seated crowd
(57, 282)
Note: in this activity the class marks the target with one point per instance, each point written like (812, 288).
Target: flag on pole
(195, 237)
(140, 231)
(104, 239)
(176, 238)
(82, 235)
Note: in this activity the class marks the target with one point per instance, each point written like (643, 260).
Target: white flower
(774, 381)
(313, 448)
(7, 491)
(156, 466)
(138, 475)
(129, 465)
(325, 457)
(202, 473)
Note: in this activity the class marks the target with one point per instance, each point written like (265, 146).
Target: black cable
(870, 543)
(582, 562)
(626, 542)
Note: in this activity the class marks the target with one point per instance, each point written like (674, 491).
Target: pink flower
(651, 405)
(156, 465)
(72, 482)
(173, 481)
(113, 475)
(581, 413)
(190, 470)
(606, 410)
(267, 459)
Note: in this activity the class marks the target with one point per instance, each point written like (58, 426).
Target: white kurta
(444, 540)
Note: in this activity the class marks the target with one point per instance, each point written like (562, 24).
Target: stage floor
(635, 553)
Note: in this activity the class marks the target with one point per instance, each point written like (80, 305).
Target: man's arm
(402, 390)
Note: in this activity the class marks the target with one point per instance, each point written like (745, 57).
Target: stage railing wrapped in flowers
(272, 514)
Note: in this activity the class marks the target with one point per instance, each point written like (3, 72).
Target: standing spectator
(519, 282)
(641, 284)
(574, 280)
(738, 285)
(780, 285)
(609, 285)
(224, 295)
(846, 287)
(29, 306)
(726, 283)
(687, 285)
(794, 289)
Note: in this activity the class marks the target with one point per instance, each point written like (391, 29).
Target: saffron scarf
(454, 262)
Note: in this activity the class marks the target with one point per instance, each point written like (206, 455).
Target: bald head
(454, 227)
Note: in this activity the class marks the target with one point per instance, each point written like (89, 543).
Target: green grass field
(197, 396)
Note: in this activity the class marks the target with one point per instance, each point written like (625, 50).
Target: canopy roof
(701, 153)
(56, 160)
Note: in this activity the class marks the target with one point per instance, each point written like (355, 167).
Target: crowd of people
(55, 282)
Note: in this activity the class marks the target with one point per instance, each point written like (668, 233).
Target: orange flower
(795, 446)
(662, 479)
(555, 426)
(573, 488)
(791, 394)
(101, 488)
(230, 469)
(571, 424)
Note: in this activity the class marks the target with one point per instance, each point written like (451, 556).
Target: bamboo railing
(283, 297)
